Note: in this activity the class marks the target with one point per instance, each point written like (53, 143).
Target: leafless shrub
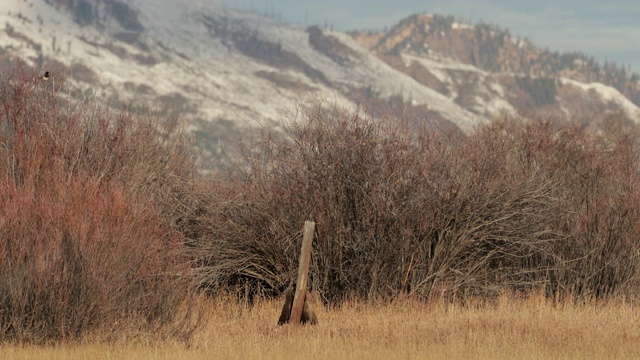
(94, 210)
(402, 209)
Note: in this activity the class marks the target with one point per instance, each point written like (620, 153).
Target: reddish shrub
(89, 240)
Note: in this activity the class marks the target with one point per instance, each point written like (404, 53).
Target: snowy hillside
(224, 70)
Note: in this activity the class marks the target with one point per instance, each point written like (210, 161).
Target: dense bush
(90, 220)
(515, 205)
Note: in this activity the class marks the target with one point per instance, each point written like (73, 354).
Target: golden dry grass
(508, 329)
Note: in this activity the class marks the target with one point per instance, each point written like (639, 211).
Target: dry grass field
(510, 328)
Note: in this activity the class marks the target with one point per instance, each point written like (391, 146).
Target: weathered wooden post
(303, 272)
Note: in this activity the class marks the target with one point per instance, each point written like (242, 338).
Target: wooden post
(303, 272)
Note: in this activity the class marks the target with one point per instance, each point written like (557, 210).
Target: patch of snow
(443, 63)
(496, 105)
(497, 88)
(610, 94)
(457, 25)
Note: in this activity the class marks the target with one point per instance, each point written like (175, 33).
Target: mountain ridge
(494, 49)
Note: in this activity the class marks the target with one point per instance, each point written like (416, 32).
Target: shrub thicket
(514, 205)
(105, 226)
(90, 220)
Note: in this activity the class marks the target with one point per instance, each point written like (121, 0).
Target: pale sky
(605, 29)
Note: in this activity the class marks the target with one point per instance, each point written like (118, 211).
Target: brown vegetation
(89, 200)
(515, 205)
(107, 230)
(509, 328)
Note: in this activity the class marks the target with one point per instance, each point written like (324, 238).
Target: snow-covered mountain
(223, 70)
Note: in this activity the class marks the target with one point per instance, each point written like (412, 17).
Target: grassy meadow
(510, 328)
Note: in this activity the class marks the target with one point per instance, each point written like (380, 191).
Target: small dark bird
(46, 76)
